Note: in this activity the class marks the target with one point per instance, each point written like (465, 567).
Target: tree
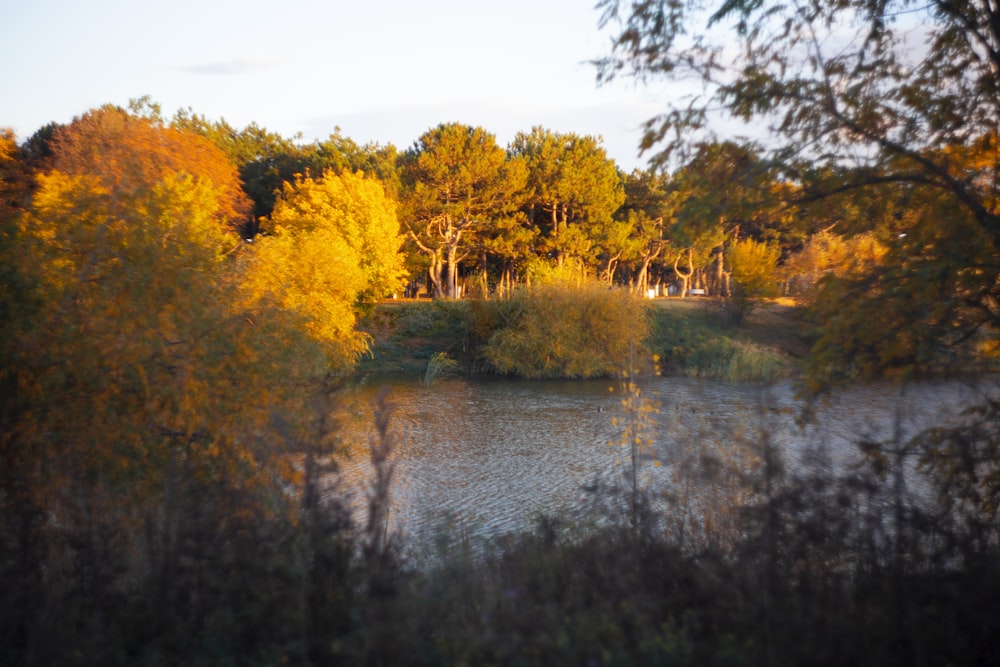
(828, 254)
(842, 83)
(855, 95)
(312, 275)
(455, 179)
(512, 242)
(267, 160)
(140, 384)
(698, 230)
(575, 190)
(342, 154)
(754, 275)
(358, 208)
(14, 176)
(650, 204)
(141, 339)
(130, 154)
(619, 240)
(926, 307)
(151, 401)
(723, 192)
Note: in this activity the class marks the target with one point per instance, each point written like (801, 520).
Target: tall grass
(754, 364)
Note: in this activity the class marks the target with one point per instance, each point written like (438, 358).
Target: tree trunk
(451, 273)
(610, 268)
(504, 280)
(434, 274)
(685, 277)
(653, 251)
(555, 235)
(484, 279)
(642, 277)
(721, 287)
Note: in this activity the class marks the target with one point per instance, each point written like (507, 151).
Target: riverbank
(688, 337)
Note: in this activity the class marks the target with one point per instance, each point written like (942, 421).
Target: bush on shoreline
(556, 331)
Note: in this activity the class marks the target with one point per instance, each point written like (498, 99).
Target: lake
(486, 456)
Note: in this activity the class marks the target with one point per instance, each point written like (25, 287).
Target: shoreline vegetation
(683, 336)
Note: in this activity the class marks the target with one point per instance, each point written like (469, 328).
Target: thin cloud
(229, 67)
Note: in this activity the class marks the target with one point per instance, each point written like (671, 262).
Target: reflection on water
(489, 455)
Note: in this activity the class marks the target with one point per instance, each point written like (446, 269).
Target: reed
(440, 366)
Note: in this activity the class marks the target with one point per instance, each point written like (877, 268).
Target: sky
(381, 71)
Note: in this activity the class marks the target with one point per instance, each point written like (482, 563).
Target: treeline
(900, 277)
(481, 218)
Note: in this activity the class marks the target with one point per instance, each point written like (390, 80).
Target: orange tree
(128, 152)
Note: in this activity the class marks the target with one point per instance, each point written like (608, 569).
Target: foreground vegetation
(179, 303)
(739, 561)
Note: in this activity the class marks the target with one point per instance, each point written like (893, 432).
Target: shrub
(554, 330)
(754, 276)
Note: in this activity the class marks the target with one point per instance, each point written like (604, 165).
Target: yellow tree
(753, 269)
(151, 398)
(827, 254)
(358, 209)
(314, 277)
(143, 384)
(145, 343)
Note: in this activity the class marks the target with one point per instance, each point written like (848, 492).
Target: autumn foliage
(154, 395)
(169, 367)
(597, 333)
(128, 153)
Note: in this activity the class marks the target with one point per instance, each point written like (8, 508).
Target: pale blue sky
(381, 71)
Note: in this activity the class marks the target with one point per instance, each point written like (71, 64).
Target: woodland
(181, 302)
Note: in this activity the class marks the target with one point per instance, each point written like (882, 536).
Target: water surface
(489, 455)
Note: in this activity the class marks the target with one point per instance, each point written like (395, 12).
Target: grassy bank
(693, 338)
(687, 336)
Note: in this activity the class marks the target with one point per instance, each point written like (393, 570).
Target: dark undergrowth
(737, 561)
